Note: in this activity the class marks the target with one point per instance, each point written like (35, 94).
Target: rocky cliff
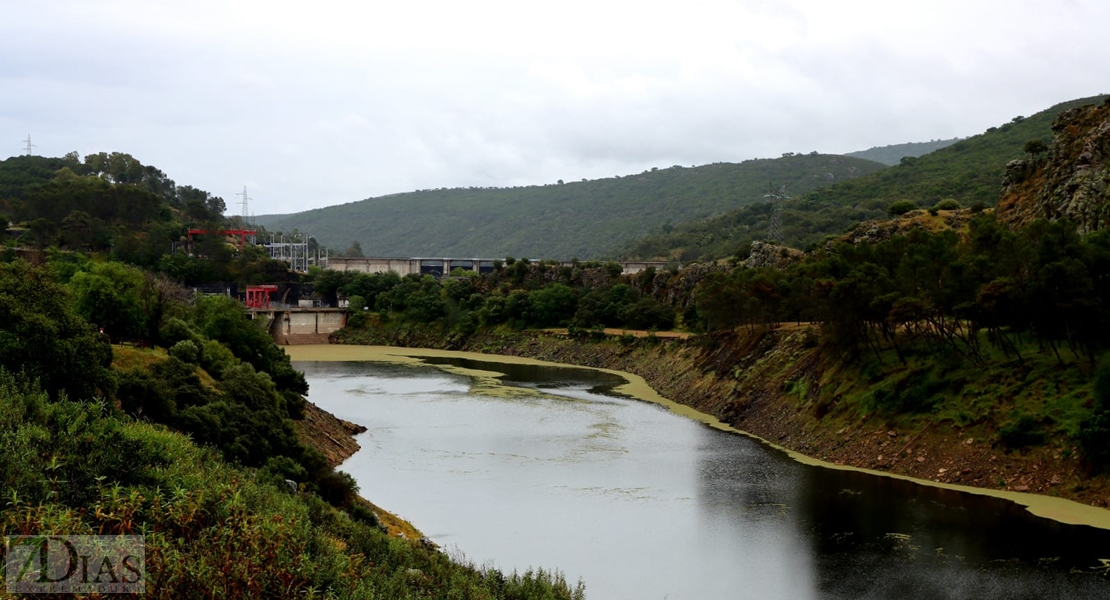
(1071, 179)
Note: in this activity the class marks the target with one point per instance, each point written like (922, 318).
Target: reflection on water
(641, 503)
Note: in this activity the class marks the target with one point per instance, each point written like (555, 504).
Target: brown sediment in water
(1055, 508)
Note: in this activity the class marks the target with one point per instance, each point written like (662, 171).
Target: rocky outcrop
(873, 232)
(332, 436)
(1071, 181)
(765, 254)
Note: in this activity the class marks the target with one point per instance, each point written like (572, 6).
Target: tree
(553, 304)
(42, 337)
(43, 233)
(200, 206)
(82, 231)
(354, 250)
(901, 207)
(222, 319)
(109, 295)
(1034, 148)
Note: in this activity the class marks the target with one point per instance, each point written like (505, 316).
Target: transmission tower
(27, 148)
(774, 230)
(244, 202)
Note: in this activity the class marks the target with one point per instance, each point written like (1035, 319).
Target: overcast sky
(319, 102)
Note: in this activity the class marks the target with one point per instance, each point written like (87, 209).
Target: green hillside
(585, 219)
(969, 171)
(893, 154)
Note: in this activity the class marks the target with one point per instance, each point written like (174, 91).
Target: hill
(1066, 180)
(893, 154)
(969, 171)
(585, 219)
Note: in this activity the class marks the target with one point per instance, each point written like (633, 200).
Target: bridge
(439, 267)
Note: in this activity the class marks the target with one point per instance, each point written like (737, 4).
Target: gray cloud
(334, 102)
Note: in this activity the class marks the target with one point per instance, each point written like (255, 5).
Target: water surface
(559, 472)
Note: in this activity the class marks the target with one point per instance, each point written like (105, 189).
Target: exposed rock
(1072, 181)
(766, 254)
(873, 232)
(325, 432)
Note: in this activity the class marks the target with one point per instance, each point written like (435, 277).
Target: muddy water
(522, 465)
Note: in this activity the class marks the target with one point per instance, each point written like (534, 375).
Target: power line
(27, 149)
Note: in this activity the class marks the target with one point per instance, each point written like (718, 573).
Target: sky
(322, 102)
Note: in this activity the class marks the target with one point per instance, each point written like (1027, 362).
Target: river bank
(775, 385)
(335, 439)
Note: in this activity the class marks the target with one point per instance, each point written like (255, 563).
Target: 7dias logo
(75, 564)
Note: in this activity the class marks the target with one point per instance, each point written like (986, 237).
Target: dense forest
(967, 173)
(584, 219)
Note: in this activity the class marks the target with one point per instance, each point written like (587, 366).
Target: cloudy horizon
(309, 106)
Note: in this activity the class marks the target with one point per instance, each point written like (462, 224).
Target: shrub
(216, 359)
(901, 207)
(186, 351)
(948, 204)
(176, 330)
(648, 313)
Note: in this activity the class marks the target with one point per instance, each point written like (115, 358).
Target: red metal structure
(258, 296)
(242, 233)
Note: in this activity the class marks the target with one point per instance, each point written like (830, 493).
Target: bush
(901, 207)
(186, 351)
(176, 330)
(216, 359)
(648, 313)
(948, 204)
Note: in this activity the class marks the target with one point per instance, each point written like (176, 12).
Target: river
(519, 465)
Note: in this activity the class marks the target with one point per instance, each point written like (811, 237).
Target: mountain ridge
(584, 219)
(893, 154)
(970, 172)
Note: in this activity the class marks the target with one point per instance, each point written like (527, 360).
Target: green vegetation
(901, 207)
(212, 529)
(893, 154)
(969, 172)
(191, 444)
(112, 206)
(519, 294)
(587, 219)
